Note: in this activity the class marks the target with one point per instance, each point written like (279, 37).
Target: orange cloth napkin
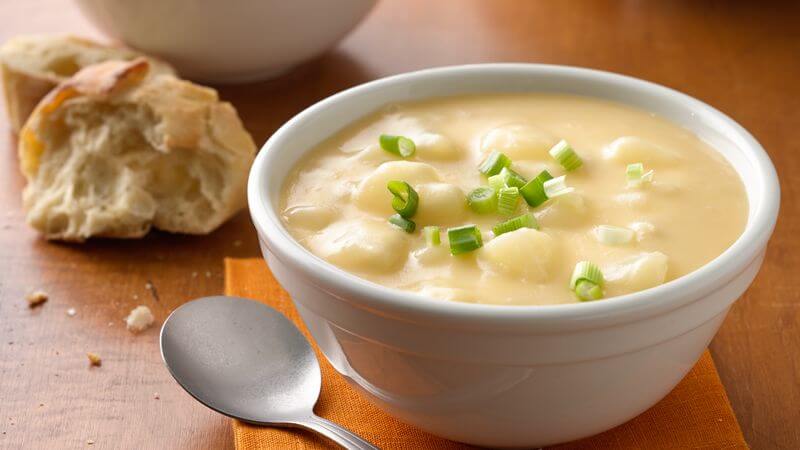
(696, 414)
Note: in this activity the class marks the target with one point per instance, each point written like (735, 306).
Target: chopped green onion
(464, 239)
(398, 145)
(611, 235)
(587, 281)
(507, 200)
(533, 191)
(432, 236)
(557, 186)
(506, 178)
(482, 200)
(636, 175)
(405, 199)
(523, 221)
(497, 182)
(513, 179)
(401, 222)
(566, 156)
(586, 270)
(494, 163)
(634, 171)
(586, 291)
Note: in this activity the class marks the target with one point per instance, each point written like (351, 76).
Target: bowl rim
(419, 308)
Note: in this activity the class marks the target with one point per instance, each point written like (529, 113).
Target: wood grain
(742, 57)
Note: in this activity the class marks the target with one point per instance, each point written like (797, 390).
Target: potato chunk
(440, 204)
(630, 149)
(640, 272)
(633, 199)
(565, 211)
(435, 147)
(310, 217)
(372, 194)
(643, 230)
(432, 256)
(525, 253)
(518, 142)
(362, 245)
(372, 153)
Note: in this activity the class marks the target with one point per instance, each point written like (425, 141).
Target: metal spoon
(245, 360)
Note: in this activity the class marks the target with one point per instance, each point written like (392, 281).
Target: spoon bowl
(246, 360)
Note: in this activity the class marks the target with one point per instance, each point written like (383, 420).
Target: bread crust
(179, 160)
(33, 65)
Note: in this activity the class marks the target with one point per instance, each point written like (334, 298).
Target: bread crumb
(156, 396)
(94, 359)
(194, 274)
(90, 442)
(208, 274)
(136, 296)
(71, 312)
(36, 298)
(237, 243)
(139, 319)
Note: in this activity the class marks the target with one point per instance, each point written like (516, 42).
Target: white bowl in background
(228, 41)
(511, 376)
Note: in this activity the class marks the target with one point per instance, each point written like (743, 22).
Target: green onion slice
(401, 222)
(432, 236)
(611, 235)
(398, 145)
(464, 239)
(507, 200)
(587, 291)
(405, 199)
(513, 179)
(556, 187)
(636, 175)
(498, 181)
(506, 178)
(586, 270)
(587, 281)
(494, 163)
(566, 156)
(533, 191)
(523, 221)
(482, 200)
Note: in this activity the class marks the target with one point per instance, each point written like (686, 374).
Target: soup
(515, 199)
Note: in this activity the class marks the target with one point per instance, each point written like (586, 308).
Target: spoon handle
(336, 433)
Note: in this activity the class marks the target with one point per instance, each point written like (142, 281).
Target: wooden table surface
(742, 57)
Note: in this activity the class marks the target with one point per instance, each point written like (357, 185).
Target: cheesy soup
(522, 199)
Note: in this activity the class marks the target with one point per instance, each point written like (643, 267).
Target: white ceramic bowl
(228, 41)
(511, 376)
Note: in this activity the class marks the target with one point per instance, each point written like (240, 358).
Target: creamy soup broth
(336, 203)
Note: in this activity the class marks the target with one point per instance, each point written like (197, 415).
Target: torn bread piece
(32, 65)
(139, 319)
(117, 149)
(94, 359)
(36, 298)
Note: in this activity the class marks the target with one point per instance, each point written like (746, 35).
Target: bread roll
(33, 65)
(116, 150)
